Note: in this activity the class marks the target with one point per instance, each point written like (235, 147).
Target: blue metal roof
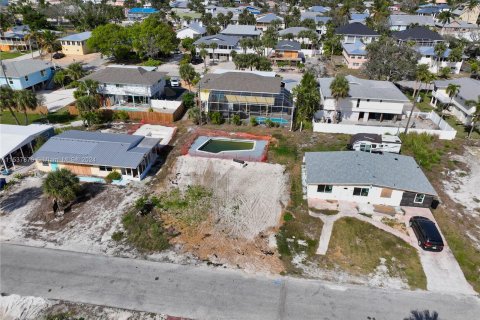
(78, 36)
(143, 10)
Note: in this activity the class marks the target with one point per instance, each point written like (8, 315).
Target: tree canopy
(307, 99)
(61, 185)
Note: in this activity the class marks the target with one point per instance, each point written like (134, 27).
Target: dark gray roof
(356, 28)
(18, 69)
(366, 89)
(363, 168)
(126, 75)
(241, 82)
(288, 45)
(417, 33)
(96, 148)
(220, 39)
(469, 88)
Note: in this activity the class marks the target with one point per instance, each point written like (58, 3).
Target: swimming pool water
(275, 120)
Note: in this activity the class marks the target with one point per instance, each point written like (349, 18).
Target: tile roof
(78, 36)
(241, 82)
(417, 33)
(126, 75)
(96, 148)
(219, 39)
(17, 69)
(364, 169)
(356, 28)
(366, 89)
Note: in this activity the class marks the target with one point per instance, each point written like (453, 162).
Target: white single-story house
(17, 143)
(98, 154)
(192, 31)
(363, 177)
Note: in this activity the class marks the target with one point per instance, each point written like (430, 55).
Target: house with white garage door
(379, 179)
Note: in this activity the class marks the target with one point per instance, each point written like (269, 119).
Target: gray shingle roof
(366, 89)
(219, 39)
(96, 148)
(407, 19)
(417, 33)
(120, 75)
(241, 82)
(356, 28)
(363, 168)
(293, 30)
(17, 69)
(268, 18)
(240, 29)
(288, 45)
(469, 88)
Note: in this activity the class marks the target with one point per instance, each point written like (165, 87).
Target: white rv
(375, 143)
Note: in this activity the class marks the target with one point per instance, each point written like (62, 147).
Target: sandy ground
(248, 202)
(15, 307)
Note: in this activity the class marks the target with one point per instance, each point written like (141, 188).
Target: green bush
(287, 217)
(121, 115)
(188, 100)
(216, 118)
(152, 63)
(269, 123)
(145, 232)
(117, 236)
(236, 120)
(114, 175)
(422, 148)
(253, 121)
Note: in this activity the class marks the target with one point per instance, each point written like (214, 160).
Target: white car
(174, 82)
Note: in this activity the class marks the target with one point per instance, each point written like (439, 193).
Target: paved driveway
(56, 99)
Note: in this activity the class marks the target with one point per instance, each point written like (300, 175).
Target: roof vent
(396, 159)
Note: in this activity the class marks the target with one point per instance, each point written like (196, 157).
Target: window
(68, 43)
(26, 78)
(419, 197)
(45, 163)
(118, 85)
(325, 188)
(42, 73)
(363, 192)
(103, 168)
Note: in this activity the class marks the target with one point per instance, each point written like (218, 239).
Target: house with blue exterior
(136, 14)
(26, 74)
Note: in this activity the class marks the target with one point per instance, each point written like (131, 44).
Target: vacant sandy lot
(247, 207)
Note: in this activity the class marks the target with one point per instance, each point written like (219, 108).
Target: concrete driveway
(56, 99)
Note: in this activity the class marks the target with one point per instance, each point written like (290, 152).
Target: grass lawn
(356, 247)
(60, 116)
(462, 131)
(10, 55)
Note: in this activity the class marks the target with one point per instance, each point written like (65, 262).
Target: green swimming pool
(225, 145)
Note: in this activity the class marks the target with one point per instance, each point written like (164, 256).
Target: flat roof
(96, 148)
(350, 168)
(13, 137)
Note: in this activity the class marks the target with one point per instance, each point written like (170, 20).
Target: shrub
(188, 100)
(152, 63)
(253, 121)
(117, 236)
(62, 185)
(121, 115)
(114, 175)
(287, 217)
(236, 120)
(421, 147)
(145, 232)
(216, 117)
(269, 123)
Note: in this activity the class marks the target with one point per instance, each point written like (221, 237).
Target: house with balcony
(435, 63)
(368, 101)
(354, 54)
(287, 51)
(469, 90)
(131, 86)
(97, 154)
(356, 32)
(26, 74)
(421, 36)
(247, 94)
(400, 22)
(225, 46)
(363, 177)
(459, 29)
(266, 20)
(14, 39)
(319, 19)
(76, 44)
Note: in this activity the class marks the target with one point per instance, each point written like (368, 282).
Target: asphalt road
(207, 293)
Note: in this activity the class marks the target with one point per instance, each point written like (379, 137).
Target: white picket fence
(444, 132)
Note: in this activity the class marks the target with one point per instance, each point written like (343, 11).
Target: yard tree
(203, 54)
(444, 73)
(7, 102)
(111, 40)
(188, 74)
(390, 61)
(213, 46)
(452, 90)
(26, 100)
(439, 50)
(195, 115)
(59, 78)
(422, 75)
(307, 99)
(152, 38)
(270, 38)
(88, 87)
(246, 17)
(87, 107)
(476, 114)
(340, 89)
(75, 71)
(88, 15)
(62, 185)
(49, 43)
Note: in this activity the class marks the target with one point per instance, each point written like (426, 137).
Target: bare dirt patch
(246, 210)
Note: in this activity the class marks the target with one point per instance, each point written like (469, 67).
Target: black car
(58, 55)
(428, 236)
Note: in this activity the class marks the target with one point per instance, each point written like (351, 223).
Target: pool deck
(247, 155)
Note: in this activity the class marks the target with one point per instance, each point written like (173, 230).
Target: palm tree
(188, 74)
(195, 115)
(422, 75)
(423, 315)
(452, 90)
(422, 69)
(245, 43)
(444, 73)
(340, 89)
(25, 100)
(59, 78)
(49, 42)
(203, 54)
(75, 71)
(439, 50)
(8, 101)
(88, 87)
(34, 36)
(62, 185)
(445, 17)
(475, 116)
(214, 46)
